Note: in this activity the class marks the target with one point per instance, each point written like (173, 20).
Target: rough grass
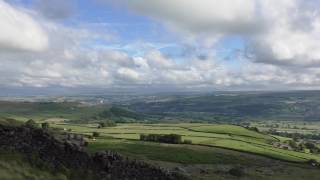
(216, 161)
(186, 154)
(14, 166)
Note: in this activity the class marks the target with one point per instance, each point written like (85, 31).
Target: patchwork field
(215, 149)
(208, 135)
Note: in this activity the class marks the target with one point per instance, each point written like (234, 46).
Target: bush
(164, 138)
(310, 145)
(237, 171)
(31, 123)
(314, 162)
(95, 134)
(85, 144)
(293, 144)
(187, 141)
(45, 125)
(107, 124)
(253, 129)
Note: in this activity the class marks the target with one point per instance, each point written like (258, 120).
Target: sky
(160, 44)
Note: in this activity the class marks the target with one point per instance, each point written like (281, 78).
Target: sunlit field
(224, 136)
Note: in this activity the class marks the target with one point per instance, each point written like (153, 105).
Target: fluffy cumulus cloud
(19, 31)
(293, 34)
(281, 37)
(278, 32)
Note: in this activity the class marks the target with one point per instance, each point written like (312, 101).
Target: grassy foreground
(16, 167)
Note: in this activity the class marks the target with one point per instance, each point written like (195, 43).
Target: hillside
(294, 105)
(213, 151)
(36, 149)
(74, 111)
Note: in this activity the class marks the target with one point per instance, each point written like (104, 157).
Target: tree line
(164, 138)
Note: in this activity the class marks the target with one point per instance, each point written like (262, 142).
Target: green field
(210, 135)
(215, 149)
(194, 159)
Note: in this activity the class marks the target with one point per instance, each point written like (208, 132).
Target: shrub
(310, 145)
(237, 171)
(31, 123)
(85, 144)
(253, 129)
(164, 138)
(293, 144)
(301, 147)
(45, 125)
(107, 124)
(314, 162)
(187, 141)
(95, 134)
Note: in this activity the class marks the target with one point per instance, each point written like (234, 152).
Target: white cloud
(74, 60)
(200, 16)
(157, 60)
(293, 36)
(128, 74)
(19, 31)
(278, 32)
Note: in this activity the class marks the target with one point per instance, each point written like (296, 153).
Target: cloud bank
(281, 38)
(278, 32)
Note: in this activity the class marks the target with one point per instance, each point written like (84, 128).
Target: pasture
(202, 135)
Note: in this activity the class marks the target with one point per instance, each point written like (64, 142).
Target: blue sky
(195, 44)
(130, 30)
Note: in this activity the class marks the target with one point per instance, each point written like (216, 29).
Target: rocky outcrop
(106, 165)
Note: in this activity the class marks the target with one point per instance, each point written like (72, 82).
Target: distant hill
(66, 110)
(117, 113)
(9, 122)
(293, 105)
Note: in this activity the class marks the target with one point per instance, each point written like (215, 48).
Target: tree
(45, 125)
(293, 144)
(164, 138)
(254, 129)
(95, 134)
(108, 123)
(31, 123)
(86, 143)
(101, 125)
(301, 147)
(237, 171)
(313, 148)
(310, 145)
(187, 141)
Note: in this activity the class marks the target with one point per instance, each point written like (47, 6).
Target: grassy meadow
(215, 148)
(207, 135)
